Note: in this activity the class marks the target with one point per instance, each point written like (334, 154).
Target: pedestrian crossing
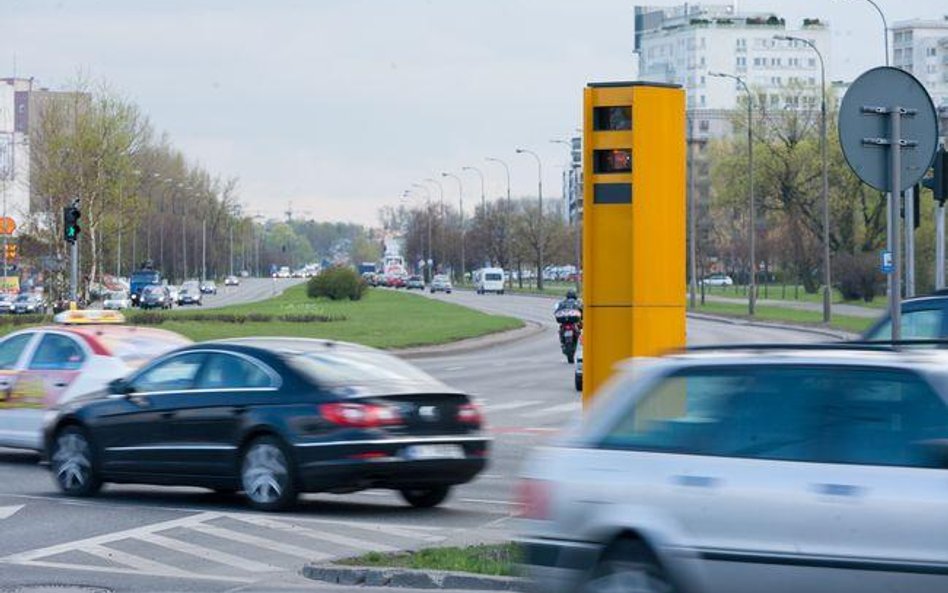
(222, 546)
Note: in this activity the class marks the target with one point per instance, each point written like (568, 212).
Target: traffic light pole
(74, 270)
(909, 242)
(939, 245)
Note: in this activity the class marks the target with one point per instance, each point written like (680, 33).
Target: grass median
(846, 323)
(487, 559)
(382, 319)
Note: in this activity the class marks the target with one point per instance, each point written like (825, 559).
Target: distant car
(490, 280)
(190, 295)
(6, 303)
(415, 282)
(208, 287)
(718, 280)
(155, 296)
(41, 367)
(232, 281)
(117, 300)
(395, 281)
(315, 416)
(371, 278)
(441, 283)
(245, 274)
(798, 469)
(26, 303)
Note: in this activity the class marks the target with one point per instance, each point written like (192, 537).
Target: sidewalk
(840, 308)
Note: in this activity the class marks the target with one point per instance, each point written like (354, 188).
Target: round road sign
(864, 131)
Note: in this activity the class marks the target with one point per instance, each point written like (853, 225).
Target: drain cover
(54, 588)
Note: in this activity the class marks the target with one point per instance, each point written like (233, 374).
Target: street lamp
(827, 291)
(574, 218)
(429, 261)
(540, 225)
(752, 296)
(461, 208)
(885, 29)
(508, 245)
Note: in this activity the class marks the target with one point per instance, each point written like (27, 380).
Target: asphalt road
(144, 538)
(249, 290)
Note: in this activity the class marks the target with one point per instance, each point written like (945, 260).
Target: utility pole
(231, 249)
(204, 250)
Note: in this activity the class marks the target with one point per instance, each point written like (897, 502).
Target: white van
(490, 280)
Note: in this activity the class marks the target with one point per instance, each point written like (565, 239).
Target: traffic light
(916, 205)
(71, 230)
(10, 251)
(938, 182)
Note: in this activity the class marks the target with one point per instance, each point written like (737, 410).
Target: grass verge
(796, 294)
(382, 319)
(489, 559)
(847, 323)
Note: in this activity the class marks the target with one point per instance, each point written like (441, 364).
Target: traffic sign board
(7, 226)
(864, 132)
(886, 261)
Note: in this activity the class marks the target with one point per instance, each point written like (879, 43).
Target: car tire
(267, 476)
(578, 381)
(425, 498)
(73, 462)
(628, 564)
(570, 358)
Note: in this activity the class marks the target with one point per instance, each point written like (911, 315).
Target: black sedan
(272, 417)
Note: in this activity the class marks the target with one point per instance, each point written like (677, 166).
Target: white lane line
(483, 501)
(7, 512)
(406, 531)
(207, 553)
(570, 407)
(128, 571)
(99, 540)
(230, 534)
(510, 405)
(135, 562)
(335, 538)
(454, 369)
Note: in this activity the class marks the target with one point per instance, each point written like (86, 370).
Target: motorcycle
(571, 325)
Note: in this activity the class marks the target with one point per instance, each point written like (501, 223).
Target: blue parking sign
(886, 264)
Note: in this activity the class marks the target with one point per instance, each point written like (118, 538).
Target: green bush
(336, 284)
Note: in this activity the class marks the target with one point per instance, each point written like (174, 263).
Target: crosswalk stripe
(510, 406)
(207, 553)
(570, 407)
(335, 538)
(133, 561)
(230, 534)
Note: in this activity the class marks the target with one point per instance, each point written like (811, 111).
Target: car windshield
(153, 290)
(23, 298)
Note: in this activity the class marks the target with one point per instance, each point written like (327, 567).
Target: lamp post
(461, 210)
(540, 222)
(575, 220)
(752, 232)
(483, 196)
(885, 29)
(441, 249)
(508, 243)
(827, 291)
(429, 261)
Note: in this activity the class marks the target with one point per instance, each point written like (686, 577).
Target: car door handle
(60, 384)
(167, 414)
(240, 410)
(847, 490)
(696, 481)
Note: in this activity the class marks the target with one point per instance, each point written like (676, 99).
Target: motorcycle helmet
(571, 294)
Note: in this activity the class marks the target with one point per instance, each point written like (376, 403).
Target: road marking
(570, 407)
(7, 512)
(510, 405)
(132, 561)
(334, 538)
(484, 501)
(128, 571)
(207, 553)
(231, 535)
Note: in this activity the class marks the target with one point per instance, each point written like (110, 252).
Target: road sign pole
(939, 246)
(895, 278)
(909, 242)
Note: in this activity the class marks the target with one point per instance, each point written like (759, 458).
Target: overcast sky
(339, 105)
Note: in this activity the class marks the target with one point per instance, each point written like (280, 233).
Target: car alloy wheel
(266, 475)
(73, 463)
(630, 567)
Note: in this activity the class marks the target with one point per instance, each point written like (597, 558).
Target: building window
(775, 61)
(741, 61)
(775, 80)
(759, 62)
(930, 52)
(774, 100)
(703, 125)
(702, 81)
(702, 100)
(811, 62)
(741, 44)
(701, 62)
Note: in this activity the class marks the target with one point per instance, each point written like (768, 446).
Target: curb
(416, 579)
(838, 334)
(468, 345)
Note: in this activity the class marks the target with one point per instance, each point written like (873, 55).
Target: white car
(718, 280)
(117, 300)
(784, 469)
(232, 281)
(41, 367)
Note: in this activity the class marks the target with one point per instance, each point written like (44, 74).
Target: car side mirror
(120, 387)
(935, 451)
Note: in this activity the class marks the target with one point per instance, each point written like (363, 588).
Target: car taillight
(533, 498)
(353, 415)
(470, 414)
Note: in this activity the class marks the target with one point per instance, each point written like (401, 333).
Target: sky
(335, 107)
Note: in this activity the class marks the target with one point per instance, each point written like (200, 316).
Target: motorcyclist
(570, 302)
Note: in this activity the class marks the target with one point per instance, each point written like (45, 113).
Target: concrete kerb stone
(471, 344)
(406, 578)
(830, 333)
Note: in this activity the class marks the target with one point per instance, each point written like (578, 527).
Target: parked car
(208, 287)
(718, 280)
(117, 300)
(315, 416)
(232, 281)
(808, 469)
(441, 283)
(6, 303)
(155, 296)
(28, 303)
(415, 282)
(41, 367)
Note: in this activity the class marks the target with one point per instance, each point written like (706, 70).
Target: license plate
(434, 452)
(568, 333)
